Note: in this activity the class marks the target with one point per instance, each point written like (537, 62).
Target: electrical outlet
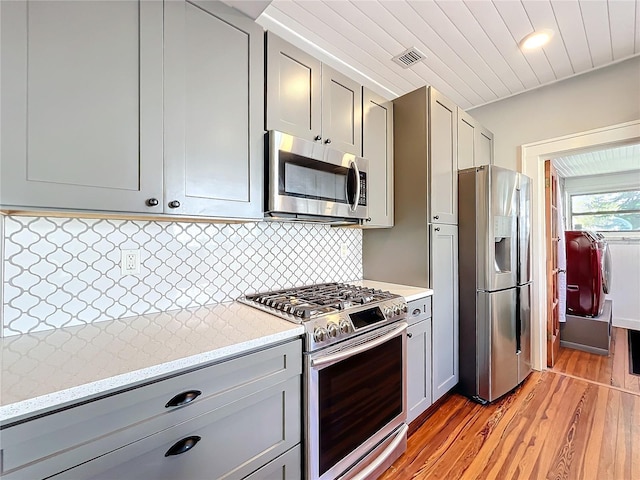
(130, 262)
(344, 251)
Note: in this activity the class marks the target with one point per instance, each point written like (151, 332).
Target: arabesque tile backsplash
(66, 271)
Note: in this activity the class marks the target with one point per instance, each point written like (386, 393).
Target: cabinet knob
(317, 138)
(437, 229)
(183, 398)
(183, 445)
(327, 141)
(409, 335)
(436, 217)
(174, 204)
(152, 202)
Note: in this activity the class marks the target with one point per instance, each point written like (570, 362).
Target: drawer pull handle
(183, 398)
(183, 445)
(416, 311)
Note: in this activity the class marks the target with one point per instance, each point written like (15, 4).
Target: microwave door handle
(354, 203)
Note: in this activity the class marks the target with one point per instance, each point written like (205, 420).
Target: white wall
(625, 283)
(593, 100)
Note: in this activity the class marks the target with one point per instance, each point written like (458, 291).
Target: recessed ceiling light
(536, 39)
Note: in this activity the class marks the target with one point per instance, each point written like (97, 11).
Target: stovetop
(331, 312)
(308, 302)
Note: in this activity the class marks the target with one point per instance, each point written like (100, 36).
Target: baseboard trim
(629, 323)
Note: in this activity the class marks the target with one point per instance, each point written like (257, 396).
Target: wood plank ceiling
(625, 158)
(471, 47)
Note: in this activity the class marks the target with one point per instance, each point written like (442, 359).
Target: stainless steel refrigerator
(494, 225)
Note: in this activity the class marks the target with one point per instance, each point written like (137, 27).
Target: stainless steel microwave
(313, 182)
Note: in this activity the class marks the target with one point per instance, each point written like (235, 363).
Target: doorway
(532, 164)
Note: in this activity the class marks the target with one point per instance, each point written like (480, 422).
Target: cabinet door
(418, 368)
(214, 101)
(81, 104)
(444, 281)
(466, 140)
(230, 442)
(377, 147)
(341, 111)
(443, 163)
(484, 146)
(293, 90)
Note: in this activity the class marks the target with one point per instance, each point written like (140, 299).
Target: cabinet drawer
(232, 442)
(419, 310)
(83, 432)
(287, 466)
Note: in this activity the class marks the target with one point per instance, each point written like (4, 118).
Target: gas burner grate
(311, 301)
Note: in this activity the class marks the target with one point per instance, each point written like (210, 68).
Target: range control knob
(333, 329)
(320, 334)
(345, 326)
(387, 312)
(396, 309)
(405, 309)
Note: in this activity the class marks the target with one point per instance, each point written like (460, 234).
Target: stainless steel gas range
(355, 375)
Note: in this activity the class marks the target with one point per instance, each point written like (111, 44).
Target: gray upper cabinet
(484, 146)
(214, 101)
(341, 111)
(466, 140)
(310, 100)
(377, 147)
(443, 158)
(128, 106)
(475, 143)
(293, 90)
(81, 105)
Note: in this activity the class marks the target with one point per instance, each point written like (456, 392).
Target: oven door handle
(318, 362)
(373, 466)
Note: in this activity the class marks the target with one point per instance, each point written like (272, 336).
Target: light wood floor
(609, 370)
(554, 426)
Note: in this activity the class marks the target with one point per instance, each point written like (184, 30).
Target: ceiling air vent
(409, 57)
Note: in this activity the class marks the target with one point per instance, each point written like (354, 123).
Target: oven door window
(308, 178)
(357, 397)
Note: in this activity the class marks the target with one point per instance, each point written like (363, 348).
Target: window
(606, 212)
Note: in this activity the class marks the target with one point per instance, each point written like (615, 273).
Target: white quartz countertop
(408, 292)
(47, 370)
(50, 369)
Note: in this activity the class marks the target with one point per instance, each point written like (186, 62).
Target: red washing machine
(588, 272)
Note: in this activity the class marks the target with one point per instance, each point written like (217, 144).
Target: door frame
(531, 163)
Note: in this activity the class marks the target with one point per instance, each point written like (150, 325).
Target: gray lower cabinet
(225, 420)
(230, 442)
(419, 348)
(287, 466)
(445, 325)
